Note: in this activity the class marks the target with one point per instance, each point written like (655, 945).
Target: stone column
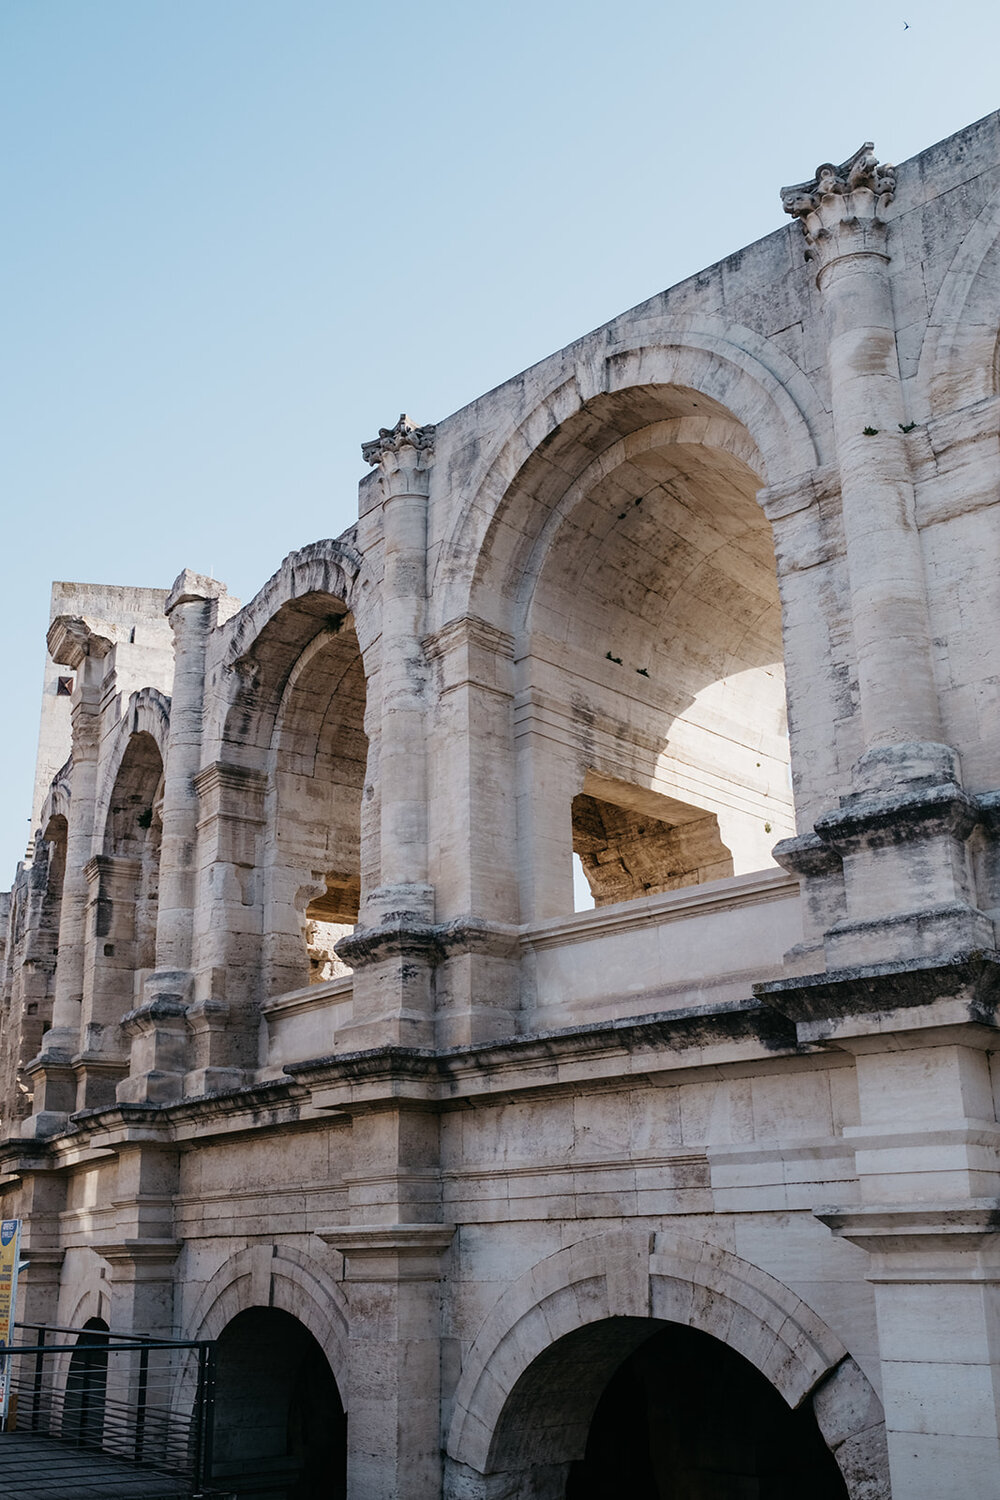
(158, 1028)
(841, 212)
(83, 646)
(394, 949)
(902, 827)
(190, 610)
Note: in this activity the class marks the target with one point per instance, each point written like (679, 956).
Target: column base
(53, 1090)
(97, 1077)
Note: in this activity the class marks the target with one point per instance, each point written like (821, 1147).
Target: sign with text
(10, 1249)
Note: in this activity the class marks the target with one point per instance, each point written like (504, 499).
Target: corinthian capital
(392, 440)
(857, 189)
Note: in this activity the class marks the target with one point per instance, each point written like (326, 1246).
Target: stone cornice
(869, 999)
(151, 1252)
(224, 776)
(71, 639)
(549, 1061)
(894, 1228)
(639, 1049)
(99, 865)
(165, 1009)
(808, 855)
(869, 822)
(430, 943)
(391, 1252)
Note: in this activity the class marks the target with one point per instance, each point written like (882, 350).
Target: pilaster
(474, 833)
(222, 1017)
(395, 1248)
(392, 951)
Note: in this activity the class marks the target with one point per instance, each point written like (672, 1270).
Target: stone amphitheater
(687, 1186)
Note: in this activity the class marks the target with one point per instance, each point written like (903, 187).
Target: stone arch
(296, 659)
(56, 804)
(93, 1300)
(318, 584)
(283, 1277)
(651, 735)
(960, 354)
(148, 712)
(734, 371)
(613, 1289)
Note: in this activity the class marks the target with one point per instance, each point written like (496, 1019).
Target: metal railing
(148, 1402)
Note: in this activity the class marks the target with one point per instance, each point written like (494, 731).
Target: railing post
(206, 1414)
(140, 1414)
(36, 1392)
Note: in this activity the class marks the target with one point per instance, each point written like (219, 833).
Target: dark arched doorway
(280, 1426)
(685, 1417)
(87, 1386)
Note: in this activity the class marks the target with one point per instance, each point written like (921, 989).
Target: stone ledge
(962, 988)
(893, 1228)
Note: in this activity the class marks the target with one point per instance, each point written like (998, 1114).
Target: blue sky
(240, 235)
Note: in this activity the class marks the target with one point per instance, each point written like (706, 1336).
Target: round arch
(56, 804)
(148, 712)
(277, 1276)
(960, 355)
(730, 371)
(313, 592)
(92, 1301)
(611, 1291)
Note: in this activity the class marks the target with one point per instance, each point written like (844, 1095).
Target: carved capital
(403, 454)
(862, 170)
(849, 195)
(405, 434)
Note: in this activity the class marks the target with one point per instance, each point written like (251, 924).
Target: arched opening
(280, 1425)
(54, 839)
(313, 855)
(39, 986)
(651, 733)
(685, 1416)
(87, 1387)
(656, 1411)
(122, 907)
(132, 835)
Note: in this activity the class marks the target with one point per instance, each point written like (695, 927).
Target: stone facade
(301, 1029)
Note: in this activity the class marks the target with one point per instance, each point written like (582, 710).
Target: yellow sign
(10, 1244)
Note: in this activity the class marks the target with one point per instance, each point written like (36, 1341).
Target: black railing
(146, 1402)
